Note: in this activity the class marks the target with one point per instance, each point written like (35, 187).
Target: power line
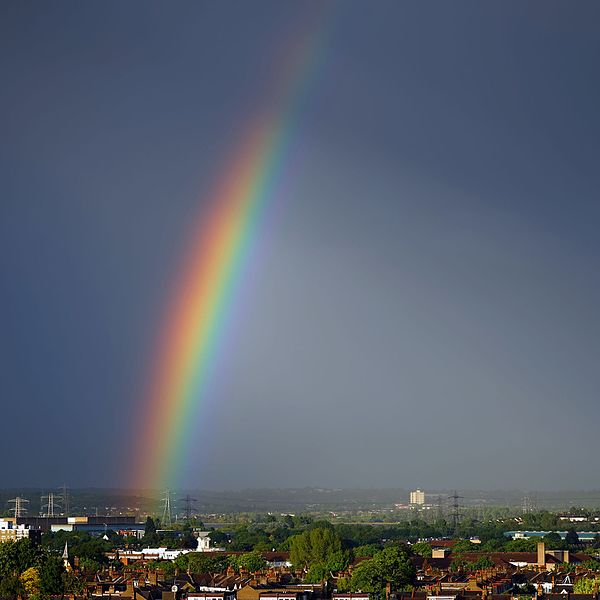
(50, 504)
(19, 509)
(65, 500)
(455, 514)
(440, 508)
(188, 501)
(167, 519)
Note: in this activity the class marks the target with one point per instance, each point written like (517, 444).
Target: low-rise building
(98, 525)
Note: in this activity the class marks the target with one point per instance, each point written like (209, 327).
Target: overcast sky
(424, 308)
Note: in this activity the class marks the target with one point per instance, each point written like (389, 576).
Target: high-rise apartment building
(417, 497)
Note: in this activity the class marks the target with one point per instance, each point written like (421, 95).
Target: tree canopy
(314, 546)
(392, 565)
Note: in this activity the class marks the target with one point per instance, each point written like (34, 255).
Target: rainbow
(210, 281)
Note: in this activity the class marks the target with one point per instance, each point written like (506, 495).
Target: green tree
(553, 541)
(392, 565)
(16, 557)
(494, 545)
(81, 544)
(322, 571)
(422, 549)
(11, 586)
(464, 546)
(89, 566)
(218, 538)
(149, 528)
(166, 568)
(73, 584)
(528, 545)
(368, 550)
(572, 538)
(150, 536)
(483, 562)
(367, 577)
(30, 580)
(288, 521)
(548, 521)
(51, 581)
(197, 562)
(251, 561)
(247, 538)
(590, 565)
(343, 584)
(187, 540)
(586, 585)
(317, 573)
(314, 546)
(182, 562)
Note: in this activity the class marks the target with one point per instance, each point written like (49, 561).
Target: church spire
(65, 557)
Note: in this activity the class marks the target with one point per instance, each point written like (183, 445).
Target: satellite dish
(174, 589)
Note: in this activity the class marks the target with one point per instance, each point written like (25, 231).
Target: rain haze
(422, 305)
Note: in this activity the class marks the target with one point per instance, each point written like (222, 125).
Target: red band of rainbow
(212, 272)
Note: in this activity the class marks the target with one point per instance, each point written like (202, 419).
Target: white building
(417, 497)
(203, 541)
(11, 532)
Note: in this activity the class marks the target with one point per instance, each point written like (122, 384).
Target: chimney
(541, 555)
(565, 556)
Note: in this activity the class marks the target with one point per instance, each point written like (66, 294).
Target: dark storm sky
(425, 308)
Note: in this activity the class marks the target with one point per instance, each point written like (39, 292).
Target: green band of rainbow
(213, 271)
